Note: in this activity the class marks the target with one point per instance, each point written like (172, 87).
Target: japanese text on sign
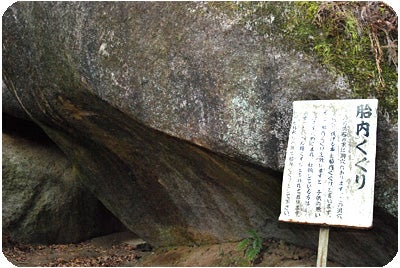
(330, 163)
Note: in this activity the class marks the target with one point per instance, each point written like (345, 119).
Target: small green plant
(252, 246)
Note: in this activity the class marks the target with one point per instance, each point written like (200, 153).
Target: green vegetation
(252, 246)
(354, 39)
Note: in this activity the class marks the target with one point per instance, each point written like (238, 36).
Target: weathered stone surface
(386, 178)
(112, 83)
(12, 107)
(202, 78)
(42, 200)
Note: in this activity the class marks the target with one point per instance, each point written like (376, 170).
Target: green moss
(344, 46)
(334, 35)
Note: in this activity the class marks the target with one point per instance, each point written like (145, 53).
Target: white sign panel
(330, 163)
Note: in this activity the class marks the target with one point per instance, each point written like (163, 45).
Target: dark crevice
(25, 129)
(30, 131)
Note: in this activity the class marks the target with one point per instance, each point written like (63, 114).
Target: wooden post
(323, 246)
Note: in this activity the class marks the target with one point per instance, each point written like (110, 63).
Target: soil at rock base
(125, 249)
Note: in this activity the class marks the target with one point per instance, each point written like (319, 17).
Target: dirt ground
(125, 249)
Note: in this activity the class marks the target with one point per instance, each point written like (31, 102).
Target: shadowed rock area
(177, 118)
(42, 199)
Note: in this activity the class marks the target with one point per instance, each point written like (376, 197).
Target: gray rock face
(176, 117)
(386, 178)
(203, 78)
(42, 200)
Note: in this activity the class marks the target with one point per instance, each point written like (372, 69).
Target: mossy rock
(176, 115)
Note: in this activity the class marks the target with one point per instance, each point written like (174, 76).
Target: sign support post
(323, 246)
(329, 173)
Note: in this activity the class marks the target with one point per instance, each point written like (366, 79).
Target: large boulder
(177, 117)
(42, 199)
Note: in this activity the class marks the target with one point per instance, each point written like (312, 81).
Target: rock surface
(177, 117)
(42, 200)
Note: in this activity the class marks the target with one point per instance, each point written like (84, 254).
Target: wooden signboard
(329, 170)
